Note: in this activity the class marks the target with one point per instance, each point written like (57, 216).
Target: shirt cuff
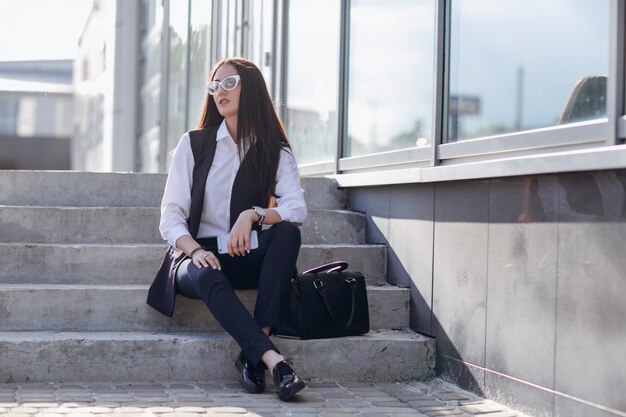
(176, 233)
(284, 212)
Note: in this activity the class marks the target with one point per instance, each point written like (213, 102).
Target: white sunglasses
(228, 84)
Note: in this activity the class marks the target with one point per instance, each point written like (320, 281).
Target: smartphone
(222, 242)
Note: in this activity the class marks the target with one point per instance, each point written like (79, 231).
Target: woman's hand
(204, 259)
(239, 242)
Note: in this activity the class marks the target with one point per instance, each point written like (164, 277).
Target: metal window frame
(615, 82)
(525, 147)
(343, 84)
(164, 93)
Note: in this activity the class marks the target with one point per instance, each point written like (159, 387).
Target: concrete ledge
(124, 308)
(117, 189)
(146, 357)
(87, 189)
(55, 263)
(141, 224)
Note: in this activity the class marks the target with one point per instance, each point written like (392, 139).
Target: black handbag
(326, 301)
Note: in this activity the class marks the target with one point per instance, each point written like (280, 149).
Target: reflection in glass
(313, 79)
(199, 65)
(150, 90)
(514, 65)
(176, 99)
(391, 65)
(580, 197)
(261, 37)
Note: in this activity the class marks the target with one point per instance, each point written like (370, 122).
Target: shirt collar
(222, 132)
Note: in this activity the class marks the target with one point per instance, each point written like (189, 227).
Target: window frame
(527, 151)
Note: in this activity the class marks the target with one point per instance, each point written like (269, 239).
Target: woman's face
(227, 102)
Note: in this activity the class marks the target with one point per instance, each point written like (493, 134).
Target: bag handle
(319, 286)
(336, 266)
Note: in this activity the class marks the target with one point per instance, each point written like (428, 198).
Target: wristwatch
(261, 213)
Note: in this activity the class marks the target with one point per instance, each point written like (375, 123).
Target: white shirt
(215, 218)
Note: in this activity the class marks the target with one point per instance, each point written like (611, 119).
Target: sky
(41, 29)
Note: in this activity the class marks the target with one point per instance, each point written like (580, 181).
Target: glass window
(177, 80)
(150, 90)
(8, 114)
(261, 37)
(518, 65)
(313, 79)
(391, 62)
(199, 66)
(230, 28)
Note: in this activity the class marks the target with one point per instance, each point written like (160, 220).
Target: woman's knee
(289, 231)
(208, 278)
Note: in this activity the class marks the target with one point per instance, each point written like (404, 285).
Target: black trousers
(268, 268)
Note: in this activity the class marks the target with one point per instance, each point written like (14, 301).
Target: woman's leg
(281, 244)
(217, 292)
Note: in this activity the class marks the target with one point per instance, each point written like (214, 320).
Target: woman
(222, 179)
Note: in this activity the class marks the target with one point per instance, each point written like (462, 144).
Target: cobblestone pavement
(434, 398)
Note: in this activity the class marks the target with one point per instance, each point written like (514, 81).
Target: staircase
(79, 250)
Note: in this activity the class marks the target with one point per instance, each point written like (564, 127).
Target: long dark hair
(258, 127)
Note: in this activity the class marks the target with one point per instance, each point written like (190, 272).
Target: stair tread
(382, 334)
(165, 245)
(30, 287)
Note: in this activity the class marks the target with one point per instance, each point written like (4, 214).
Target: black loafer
(252, 377)
(286, 382)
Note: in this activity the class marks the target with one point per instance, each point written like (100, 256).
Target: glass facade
(505, 77)
(177, 85)
(312, 79)
(199, 56)
(364, 86)
(150, 86)
(44, 114)
(261, 38)
(390, 87)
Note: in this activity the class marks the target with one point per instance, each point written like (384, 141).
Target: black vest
(246, 193)
(246, 188)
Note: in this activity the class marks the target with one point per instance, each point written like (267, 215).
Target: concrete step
(123, 308)
(55, 263)
(147, 357)
(140, 225)
(87, 189)
(95, 189)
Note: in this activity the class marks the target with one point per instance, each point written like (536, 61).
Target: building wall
(34, 152)
(521, 280)
(105, 83)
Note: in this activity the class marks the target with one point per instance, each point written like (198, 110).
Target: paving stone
(159, 410)
(229, 410)
(390, 410)
(406, 397)
(25, 410)
(12, 414)
(195, 404)
(187, 409)
(444, 413)
(449, 396)
(129, 410)
(481, 408)
(39, 404)
(425, 403)
(410, 414)
(59, 410)
(435, 408)
(94, 410)
(75, 404)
